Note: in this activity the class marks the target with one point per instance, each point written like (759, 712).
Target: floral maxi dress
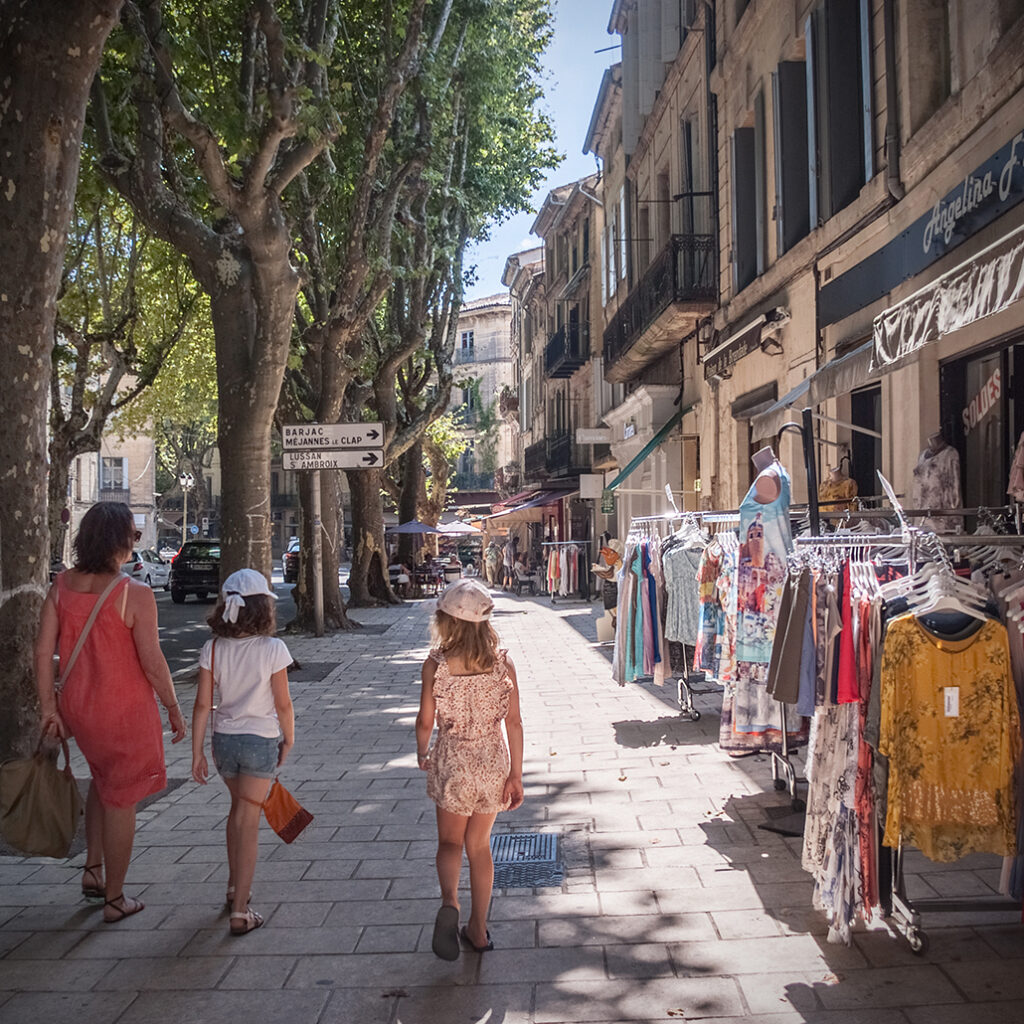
(469, 761)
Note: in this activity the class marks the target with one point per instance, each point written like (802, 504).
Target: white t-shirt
(241, 677)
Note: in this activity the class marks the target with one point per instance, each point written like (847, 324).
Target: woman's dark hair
(106, 532)
(256, 618)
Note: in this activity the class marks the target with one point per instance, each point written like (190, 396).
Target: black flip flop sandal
(464, 935)
(445, 942)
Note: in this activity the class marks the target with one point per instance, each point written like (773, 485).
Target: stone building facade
(809, 204)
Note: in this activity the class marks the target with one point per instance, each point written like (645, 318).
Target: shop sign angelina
(990, 190)
(998, 174)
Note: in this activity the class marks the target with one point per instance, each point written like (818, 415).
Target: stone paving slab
(674, 906)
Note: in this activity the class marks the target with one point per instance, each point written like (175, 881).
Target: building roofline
(609, 83)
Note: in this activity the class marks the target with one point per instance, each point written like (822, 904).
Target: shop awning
(543, 498)
(767, 422)
(985, 284)
(673, 421)
(838, 377)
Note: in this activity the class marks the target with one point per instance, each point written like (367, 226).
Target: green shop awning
(673, 421)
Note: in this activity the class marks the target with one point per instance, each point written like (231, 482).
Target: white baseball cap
(242, 584)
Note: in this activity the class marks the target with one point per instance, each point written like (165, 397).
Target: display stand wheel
(918, 942)
(779, 784)
(798, 804)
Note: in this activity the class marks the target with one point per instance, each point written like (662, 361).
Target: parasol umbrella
(412, 526)
(458, 529)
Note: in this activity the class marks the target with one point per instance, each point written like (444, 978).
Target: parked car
(168, 547)
(148, 567)
(196, 570)
(290, 562)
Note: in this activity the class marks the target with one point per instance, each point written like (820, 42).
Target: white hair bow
(233, 604)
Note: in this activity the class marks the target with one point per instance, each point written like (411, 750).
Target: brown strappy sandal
(93, 893)
(128, 907)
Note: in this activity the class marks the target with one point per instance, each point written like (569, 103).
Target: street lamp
(187, 480)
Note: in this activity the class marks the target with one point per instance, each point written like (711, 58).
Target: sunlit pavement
(674, 905)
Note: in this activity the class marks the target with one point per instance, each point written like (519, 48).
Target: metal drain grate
(524, 860)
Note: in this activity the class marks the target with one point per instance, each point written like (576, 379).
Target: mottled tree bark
(49, 53)
(409, 498)
(368, 582)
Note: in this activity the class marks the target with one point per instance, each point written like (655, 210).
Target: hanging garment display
(765, 543)
(951, 732)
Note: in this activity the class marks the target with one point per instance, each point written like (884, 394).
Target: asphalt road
(183, 628)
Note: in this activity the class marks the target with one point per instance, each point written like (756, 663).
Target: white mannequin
(936, 442)
(767, 486)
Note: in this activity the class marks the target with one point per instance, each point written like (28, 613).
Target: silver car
(148, 567)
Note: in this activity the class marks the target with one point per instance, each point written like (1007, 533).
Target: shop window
(839, 105)
(792, 199)
(983, 416)
(865, 450)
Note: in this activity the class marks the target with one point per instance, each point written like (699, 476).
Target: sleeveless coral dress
(469, 762)
(108, 703)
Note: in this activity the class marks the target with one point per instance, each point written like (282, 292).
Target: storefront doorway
(866, 450)
(983, 416)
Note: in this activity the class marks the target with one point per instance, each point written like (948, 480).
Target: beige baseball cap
(466, 599)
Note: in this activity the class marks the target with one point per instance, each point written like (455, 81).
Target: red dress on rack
(107, 703)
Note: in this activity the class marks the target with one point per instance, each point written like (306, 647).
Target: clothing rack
(685, 690)
(906, 912)
(562, 544)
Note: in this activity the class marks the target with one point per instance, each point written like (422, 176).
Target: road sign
(193, 529)
(352, 459)
(331, 436)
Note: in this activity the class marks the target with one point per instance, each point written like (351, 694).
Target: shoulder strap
(111, 586)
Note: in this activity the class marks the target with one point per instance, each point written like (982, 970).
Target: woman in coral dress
(108, 702)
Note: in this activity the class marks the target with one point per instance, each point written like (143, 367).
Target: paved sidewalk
(675, 906)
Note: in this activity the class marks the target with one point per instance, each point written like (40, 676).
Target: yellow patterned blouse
(951, 732)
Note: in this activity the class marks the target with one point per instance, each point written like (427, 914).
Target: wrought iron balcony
(122, 494)
(535, 460)
(567, 350)
(677, 289)
(564, 456)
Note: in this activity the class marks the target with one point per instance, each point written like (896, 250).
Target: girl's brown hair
(256, 618)
(106, 532)
(475, 642)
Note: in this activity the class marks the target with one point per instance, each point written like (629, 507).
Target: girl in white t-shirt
(253, 724)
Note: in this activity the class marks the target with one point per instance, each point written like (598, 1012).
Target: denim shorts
(244, 753)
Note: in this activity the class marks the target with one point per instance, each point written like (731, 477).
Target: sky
(572, 78)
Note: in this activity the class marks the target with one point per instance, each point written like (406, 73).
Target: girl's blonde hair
(475, 642)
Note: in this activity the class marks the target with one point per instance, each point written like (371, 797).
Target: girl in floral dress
(469, 687)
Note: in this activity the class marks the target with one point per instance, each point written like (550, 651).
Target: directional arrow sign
(348, 459)
(331, 436)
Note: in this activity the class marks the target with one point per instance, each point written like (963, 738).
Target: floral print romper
(469, 760)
